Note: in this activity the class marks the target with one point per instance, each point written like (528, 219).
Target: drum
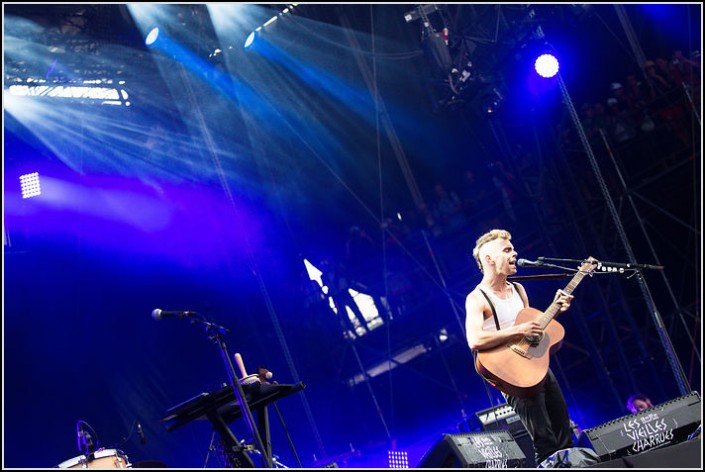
(102, 459)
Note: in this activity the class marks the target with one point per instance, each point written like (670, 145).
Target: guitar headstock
(588, 265)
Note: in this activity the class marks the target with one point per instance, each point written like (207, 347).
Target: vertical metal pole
(631, 36)
(679, 374)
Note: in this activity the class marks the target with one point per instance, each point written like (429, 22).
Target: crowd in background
(663, 100)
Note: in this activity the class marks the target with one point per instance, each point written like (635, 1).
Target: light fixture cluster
(398, 460)
(29, 184)
(100, 91)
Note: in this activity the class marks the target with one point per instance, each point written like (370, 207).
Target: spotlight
(250, 39)
(286, 11)
(151, 37)
(546, 65)
(30, 185)
(270, 21)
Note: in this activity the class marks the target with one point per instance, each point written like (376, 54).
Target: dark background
(228, 170)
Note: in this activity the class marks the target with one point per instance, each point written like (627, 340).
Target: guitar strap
(496, 323)
(494, 312)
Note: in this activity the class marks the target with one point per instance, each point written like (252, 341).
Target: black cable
(124, 440)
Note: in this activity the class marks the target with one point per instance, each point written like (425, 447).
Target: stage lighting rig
(89, 91)
(434, 41)
(450, 54)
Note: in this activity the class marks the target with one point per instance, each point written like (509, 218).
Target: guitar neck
(555, 307)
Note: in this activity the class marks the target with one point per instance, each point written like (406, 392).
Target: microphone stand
(288, 437)
(541, 263)
(604, 267)
(215, 333)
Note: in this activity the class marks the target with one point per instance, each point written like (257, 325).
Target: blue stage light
(151, 37)
(546, 65)
(250, 39)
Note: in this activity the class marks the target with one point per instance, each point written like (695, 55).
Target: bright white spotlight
(546, 65)
(151, 37)
(288, 10)
(250, 39)
(270, 21)
(30, 185)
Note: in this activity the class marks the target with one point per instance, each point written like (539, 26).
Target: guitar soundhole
(534, 339)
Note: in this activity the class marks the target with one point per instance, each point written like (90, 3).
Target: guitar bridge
(519, 351)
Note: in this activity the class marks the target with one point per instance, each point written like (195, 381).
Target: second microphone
(158, 314)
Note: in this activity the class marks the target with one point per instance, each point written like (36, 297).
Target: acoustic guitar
(519, 367)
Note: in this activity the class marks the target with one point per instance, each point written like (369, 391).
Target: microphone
(158, 314)
(526, 263)
(140, 433)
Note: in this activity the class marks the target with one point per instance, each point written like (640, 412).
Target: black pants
(545, 416)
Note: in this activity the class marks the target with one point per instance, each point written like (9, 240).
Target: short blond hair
(486, 238)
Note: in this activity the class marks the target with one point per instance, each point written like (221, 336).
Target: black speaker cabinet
(494, 450)
(662, 425)
(503, 418)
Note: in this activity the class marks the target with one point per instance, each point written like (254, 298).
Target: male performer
(545, 414)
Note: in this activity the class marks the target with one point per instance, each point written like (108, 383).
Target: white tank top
(507, 309)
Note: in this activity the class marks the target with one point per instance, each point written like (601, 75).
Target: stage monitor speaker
(495, 450)
(503, 418)
(662, 425)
